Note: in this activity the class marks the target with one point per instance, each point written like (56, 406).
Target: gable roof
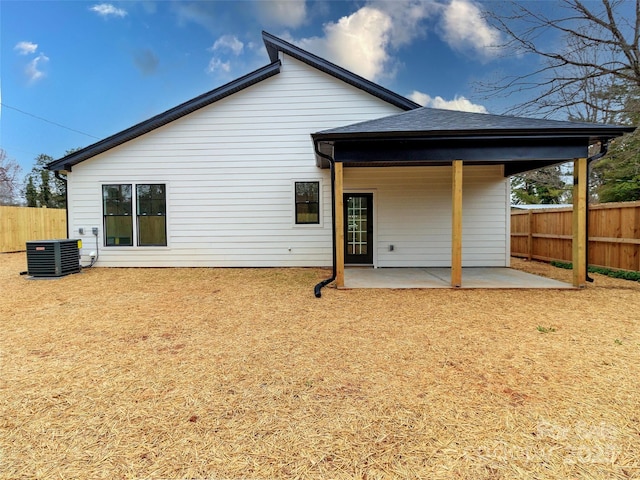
(274, 45)
(425, 122)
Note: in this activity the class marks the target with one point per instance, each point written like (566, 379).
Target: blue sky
(97, 68)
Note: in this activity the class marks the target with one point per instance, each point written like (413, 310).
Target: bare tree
(10, 172)
(589, 59)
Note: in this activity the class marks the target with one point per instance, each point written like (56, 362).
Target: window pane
(157, 207)
(307, 213)
(144, 207)
(307, 191)
(125, 200)
(144, 191)
(157, 191)
(111, 199)
(152, 230)
(118, 230)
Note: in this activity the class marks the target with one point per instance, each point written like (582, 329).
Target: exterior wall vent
(53, 258)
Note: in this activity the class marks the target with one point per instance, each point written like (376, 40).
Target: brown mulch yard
(242, 373)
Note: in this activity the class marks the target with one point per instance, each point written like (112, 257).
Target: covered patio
(427, 137)
(440, 277)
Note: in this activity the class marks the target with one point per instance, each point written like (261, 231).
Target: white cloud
(26, 48)
(108, 10)
(407, 18)
(364, 41)
(464, 29)
(358, 42)
(282, 13)
(33, 70)
(228, 43)
(215, 65)
(458, 103)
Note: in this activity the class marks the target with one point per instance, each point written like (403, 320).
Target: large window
(118, 222)
(151, 214)
(307, 202)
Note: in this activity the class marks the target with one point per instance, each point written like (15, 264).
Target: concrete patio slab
(439, 277)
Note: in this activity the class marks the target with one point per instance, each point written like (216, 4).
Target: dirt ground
(242, 373)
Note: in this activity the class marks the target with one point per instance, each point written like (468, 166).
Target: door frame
(374, 218)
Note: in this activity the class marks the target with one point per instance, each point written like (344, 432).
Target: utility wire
(48, 121)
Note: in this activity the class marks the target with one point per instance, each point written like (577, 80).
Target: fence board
(614, 235)
(18, 225)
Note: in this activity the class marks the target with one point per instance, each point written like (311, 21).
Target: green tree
(49, 191)
(542, 186)
(31, 193)
(617, 176)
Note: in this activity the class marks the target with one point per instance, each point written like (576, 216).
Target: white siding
(412, 212)
(229, 170)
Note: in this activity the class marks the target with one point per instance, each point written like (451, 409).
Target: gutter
(66, 198)
(604, 148)
(317, 289)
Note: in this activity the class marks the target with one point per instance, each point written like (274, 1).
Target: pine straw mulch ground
(242, 373)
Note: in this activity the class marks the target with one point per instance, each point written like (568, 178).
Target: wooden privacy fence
(614, 235)
(21, 224)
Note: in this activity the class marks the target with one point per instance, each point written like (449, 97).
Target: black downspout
(66, 199)
(332, 162)
(604, 147)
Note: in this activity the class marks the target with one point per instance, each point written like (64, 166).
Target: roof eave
(591, 133)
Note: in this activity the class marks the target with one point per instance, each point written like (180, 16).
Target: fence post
(530, 236)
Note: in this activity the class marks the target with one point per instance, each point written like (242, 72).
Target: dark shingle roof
(435, 122)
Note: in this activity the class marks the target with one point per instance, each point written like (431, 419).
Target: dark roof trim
(596, 132)
(164, 118)
(275, 44)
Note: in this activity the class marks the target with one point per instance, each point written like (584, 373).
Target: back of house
(232, 178)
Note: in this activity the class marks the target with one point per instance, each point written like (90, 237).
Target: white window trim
(135, 246)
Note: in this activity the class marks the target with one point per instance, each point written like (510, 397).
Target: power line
(48, 121)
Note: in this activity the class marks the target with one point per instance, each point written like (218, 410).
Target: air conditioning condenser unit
(53, 258)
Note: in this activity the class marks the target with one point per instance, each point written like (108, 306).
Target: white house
(249, 174)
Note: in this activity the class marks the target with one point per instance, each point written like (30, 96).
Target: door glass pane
(357, 226)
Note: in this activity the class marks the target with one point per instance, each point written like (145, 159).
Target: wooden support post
(456, 225)
(579, 232)
(339, 246)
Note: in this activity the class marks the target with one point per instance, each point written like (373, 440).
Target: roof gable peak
(275, 44)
